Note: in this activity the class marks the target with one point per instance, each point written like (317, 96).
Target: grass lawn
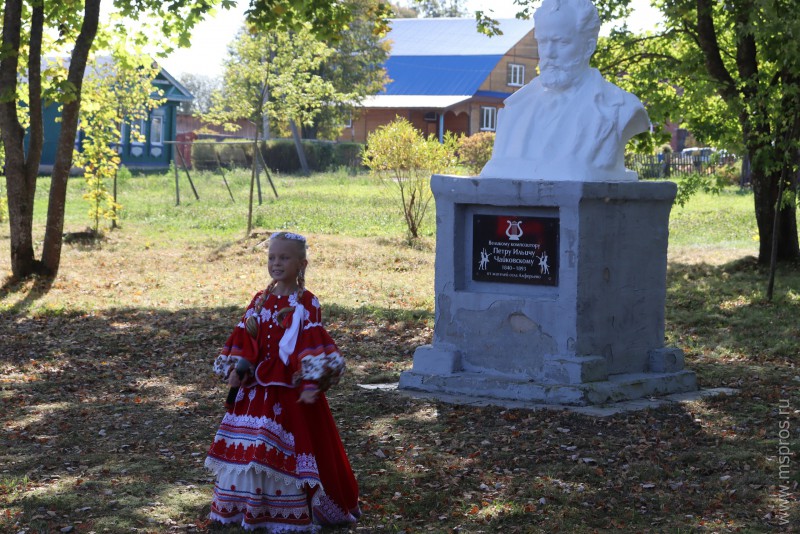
(109, 403)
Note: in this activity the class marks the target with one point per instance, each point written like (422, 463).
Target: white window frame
(157, 127)
(516, 74)
(488, 119)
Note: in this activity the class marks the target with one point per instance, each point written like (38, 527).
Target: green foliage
(476, 150)
(730, 173)
(281, 155)
(326, 19)
(404, 160)
(124, 175)
(204, 156)
(274, 76)
(347, 154)
(118, 90)
(723, 71)
(235, 154)
(355, 68)
(441, 8)
(696, 182)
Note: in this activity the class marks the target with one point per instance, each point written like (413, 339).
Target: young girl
(277, 455)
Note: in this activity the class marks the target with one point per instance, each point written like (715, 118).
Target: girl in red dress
(277, 456)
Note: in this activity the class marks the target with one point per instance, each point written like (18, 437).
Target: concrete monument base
(550, 292)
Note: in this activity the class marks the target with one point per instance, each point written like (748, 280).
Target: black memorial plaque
(517, 250)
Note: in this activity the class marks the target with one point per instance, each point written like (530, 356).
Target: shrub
(124, 174)
(403, 160)
(280, 155)
(476, 150)
(347, 154)
(232, 154)
(730, 173)
(319, 155)
(203, 156)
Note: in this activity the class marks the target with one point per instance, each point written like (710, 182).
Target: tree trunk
(298, 144)
(51, 251)
(20, 174)
(765, 197)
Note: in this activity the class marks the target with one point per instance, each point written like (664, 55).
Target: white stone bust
(568, 123)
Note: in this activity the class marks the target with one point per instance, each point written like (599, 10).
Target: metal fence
(676, 165)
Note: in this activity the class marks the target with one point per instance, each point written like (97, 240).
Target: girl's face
(285, 261)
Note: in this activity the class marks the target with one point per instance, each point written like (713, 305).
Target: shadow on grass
(39, 287)
(107, 417)
(722, 312)
(109, 414)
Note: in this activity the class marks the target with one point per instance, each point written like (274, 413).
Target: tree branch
(709, 46)
(35, 92)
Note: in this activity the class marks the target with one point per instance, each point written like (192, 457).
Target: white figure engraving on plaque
(484, 260)
(544, 267)
(568, 123)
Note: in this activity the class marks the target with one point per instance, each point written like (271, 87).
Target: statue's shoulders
(612, 94)
(527, 91)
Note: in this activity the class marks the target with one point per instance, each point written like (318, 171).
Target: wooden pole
(186, 169)
(222, 171)
(177, 183)
(266, 171)
(301, 153)
(258, 173)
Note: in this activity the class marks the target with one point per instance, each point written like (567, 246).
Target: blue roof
(438, 75)
(446, 56)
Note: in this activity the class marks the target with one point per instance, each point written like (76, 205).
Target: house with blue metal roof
(445, 76)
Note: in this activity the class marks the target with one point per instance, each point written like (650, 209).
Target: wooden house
(153, 153)
(445, 76)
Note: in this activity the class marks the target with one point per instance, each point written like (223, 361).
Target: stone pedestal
(550, 292)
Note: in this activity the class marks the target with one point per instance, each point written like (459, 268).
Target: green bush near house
(475, 151)
(348, 155)
(235, 153)
(281, 155)
(204, 156)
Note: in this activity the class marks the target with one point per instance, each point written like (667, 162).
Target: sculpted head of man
(566, 32)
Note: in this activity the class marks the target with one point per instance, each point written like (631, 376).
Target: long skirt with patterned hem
(280, 465)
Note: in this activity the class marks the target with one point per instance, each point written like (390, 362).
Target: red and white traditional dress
(280, 464)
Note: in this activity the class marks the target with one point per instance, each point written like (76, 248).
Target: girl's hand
(308, 396)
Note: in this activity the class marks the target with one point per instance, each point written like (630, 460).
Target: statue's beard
(559, 77)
